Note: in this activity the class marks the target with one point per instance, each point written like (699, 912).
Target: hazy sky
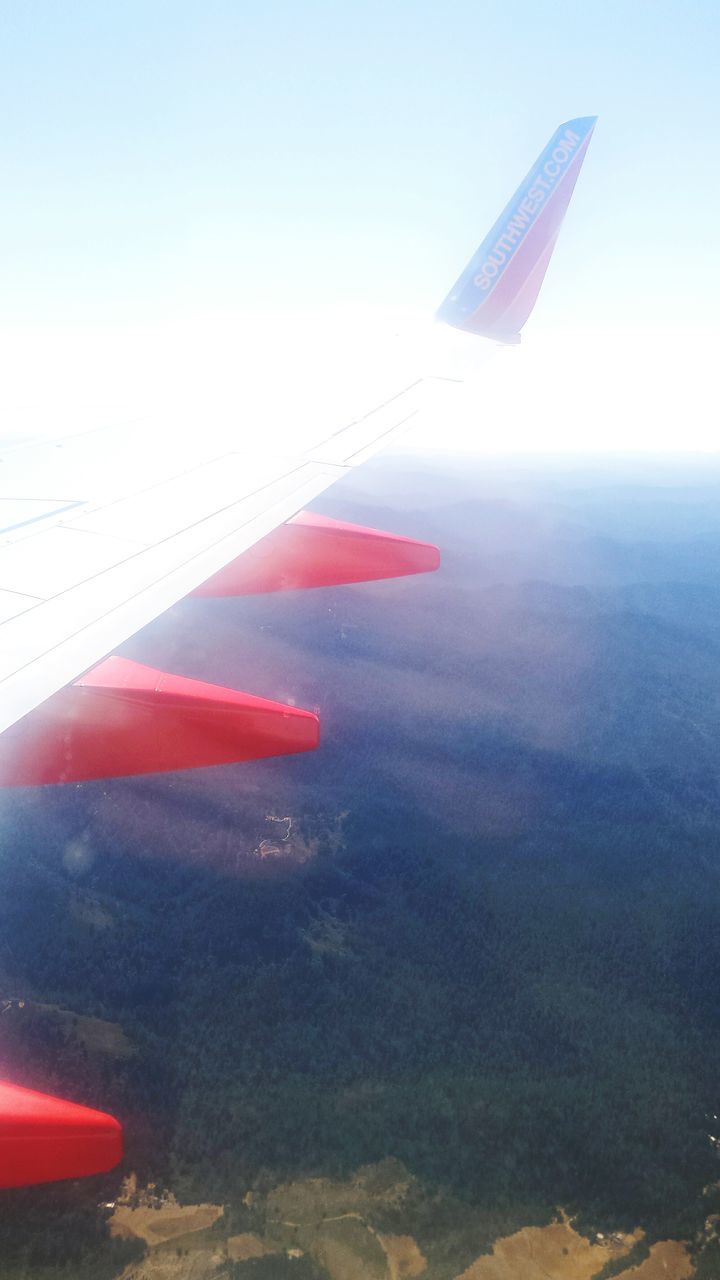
(171, 167)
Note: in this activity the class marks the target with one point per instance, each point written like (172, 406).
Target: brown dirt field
(535, 1253)
(157, 1225)
(166, 1266)
(668, 1261)
(404, 1257)
(246, 1245)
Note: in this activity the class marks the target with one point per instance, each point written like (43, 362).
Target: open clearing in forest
(97, 1035)
(405, 1261)
(668, 1260)
(155, 1226)
(196, 1265)
(247, 1245)
(330, 1221)
(556, 1250)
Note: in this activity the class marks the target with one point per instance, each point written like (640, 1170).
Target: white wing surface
(103, 532)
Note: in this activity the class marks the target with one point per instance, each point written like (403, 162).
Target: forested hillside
(476, 932)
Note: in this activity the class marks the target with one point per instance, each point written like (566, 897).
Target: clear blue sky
(202, 153)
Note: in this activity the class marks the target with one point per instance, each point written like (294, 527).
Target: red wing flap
(315, 551)
(44, 1139)
(123, 718)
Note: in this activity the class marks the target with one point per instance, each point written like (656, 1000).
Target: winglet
(497, 290)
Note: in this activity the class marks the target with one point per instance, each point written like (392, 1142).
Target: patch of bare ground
(246, 1245)
(285, 841)
(332, 1222)
(348, 1249)
(95, 1034)
(168, 1220)
(557, 1251)
(192, 1265)
(314, 1200)
(668, 1260)
(328, 1219)
(404, 1259)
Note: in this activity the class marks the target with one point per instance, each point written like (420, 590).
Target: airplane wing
(105, 531)
(102, 532)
